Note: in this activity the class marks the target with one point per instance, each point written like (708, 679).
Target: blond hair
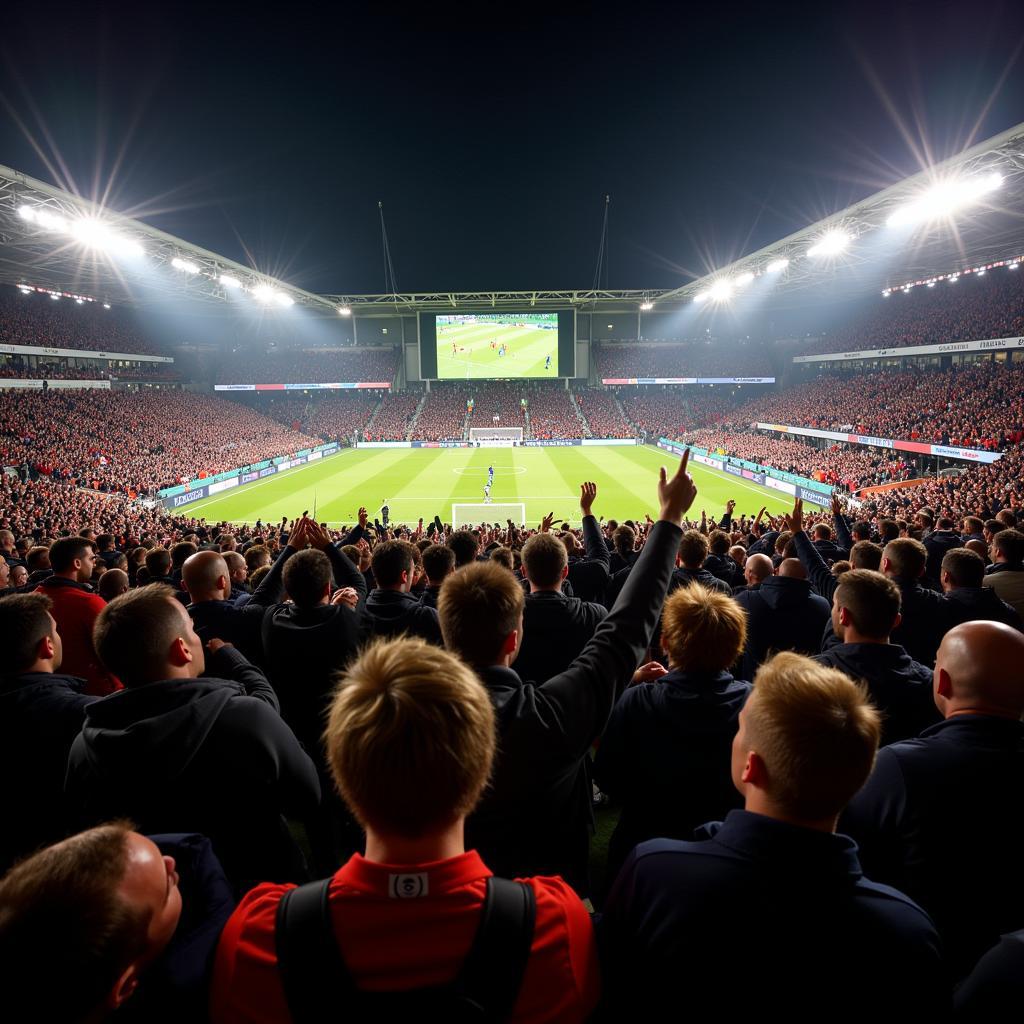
(816, 732)
(702, 630)
(478, 607)
(410, 738)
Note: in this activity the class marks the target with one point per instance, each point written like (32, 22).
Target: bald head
(206, 578)
(978, 547)
(793, 568)
(738, 553)
(757, 569)
(980, 670)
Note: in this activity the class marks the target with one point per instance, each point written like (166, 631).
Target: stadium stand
(299, 366)
(695, 359)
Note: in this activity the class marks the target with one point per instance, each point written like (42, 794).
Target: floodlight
(944, 199)
(263, 292)
(186, 265)
(647, 305)
(931, 284)
(106, 305)
(26, 213)
(344, 311)
(24, 289)
(980, 273)
(745, 278)
(79, 301)
(776, 265)
(700, 296)
(55, 296)
(51, 221)
(283, 300)
(721, 290)
(230, 282)
(1012, 266)
(886, 292)
(830, 243)
(96, 235)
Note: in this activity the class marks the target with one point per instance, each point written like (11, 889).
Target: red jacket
(75, 607)
(390, 943)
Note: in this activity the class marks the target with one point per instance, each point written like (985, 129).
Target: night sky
(492, 133)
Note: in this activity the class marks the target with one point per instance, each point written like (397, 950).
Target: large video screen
(497, 345)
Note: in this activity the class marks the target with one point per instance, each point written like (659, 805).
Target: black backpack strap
(493, 971)
(313, 973)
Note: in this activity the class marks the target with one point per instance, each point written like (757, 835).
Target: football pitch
(427, 482)
(483, 351)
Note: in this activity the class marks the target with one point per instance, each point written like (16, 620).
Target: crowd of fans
(603, 415)
(552, 415)
(444, 413)
(843, 466)
(798, 724)
(499, 399)
(313, 366)
(979, 405)
(135, 442)
(333, 416)
(391, 422)
(36, 319)
(693, 359)
(973, 308)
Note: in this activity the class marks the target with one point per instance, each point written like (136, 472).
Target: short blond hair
(816, 731)
(702, 630)
(478, 607)
(410, 738)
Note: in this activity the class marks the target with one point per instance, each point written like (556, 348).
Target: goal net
(495, 437)
(480, 512)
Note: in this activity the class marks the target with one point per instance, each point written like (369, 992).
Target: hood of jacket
(160, 726)
(784, 592)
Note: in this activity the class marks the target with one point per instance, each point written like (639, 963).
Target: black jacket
(938, 820)
(210, 755)
(829, 936)
(535, 816)
(683, 577)
(815, 566)
(969, 604)
(555, 629)
(589, 575)
(304, 648)
(666, 754)
(783, 614)
(391, 613)
(938, 542)
(724, 567)
(41, 713)
(900, 687)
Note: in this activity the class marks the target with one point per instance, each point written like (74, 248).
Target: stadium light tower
(230, 282)
(776, 265)
(721, 290)
(344, 311)
(187, 266)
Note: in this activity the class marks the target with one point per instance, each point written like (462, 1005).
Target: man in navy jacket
(771, 913)
(536, 816)
(939, 816)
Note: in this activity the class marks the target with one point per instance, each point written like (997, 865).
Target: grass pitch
(426, 482)
(484, 351)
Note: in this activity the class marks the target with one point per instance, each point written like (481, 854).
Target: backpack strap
(313, 973)
(493, 971)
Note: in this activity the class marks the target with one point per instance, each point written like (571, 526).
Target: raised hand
(364, 517)
(588, 492)
(317, 535)
(346, 596)
(795, 520)
(298, 537)
(649, 672)
(545, 523)
(730, 506)
(676, 495)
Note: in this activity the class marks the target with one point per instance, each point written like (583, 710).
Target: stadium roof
(36, 247)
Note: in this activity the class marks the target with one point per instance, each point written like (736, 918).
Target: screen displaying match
(495, 345)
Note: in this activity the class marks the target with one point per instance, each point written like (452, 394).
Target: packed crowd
(974, 406)
(602, 413)
(499, 399)
(552, 415)
(135, 442)
(443, 416)
(843, 466)
(391, 422)
(14, 370)
(974, 308)
(798, 724)
(332, 416)
(313, 366)
(36, 319)
(693, 359)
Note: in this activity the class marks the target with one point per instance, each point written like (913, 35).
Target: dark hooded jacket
(555, 629)
(783, 614)
(969, 604)
(41, 713)
(666, 755)
(900, 687)
(390, 613)
(209, 755)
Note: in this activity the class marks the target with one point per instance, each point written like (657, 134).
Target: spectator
(391, 610)
(916, 818)
(865, 613)
(806, 742)
(1006, 574)
(411, 740)
(138, 920)
(783, 614)
(179, 750)
(113, 583)
(665, 752)
(438, 565)
(75, 607)
(535, 817)
(962, 576)
(693, 550)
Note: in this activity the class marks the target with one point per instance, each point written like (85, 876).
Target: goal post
(495, 437)
(473, 514)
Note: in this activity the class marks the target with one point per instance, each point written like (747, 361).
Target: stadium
(556, 633)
